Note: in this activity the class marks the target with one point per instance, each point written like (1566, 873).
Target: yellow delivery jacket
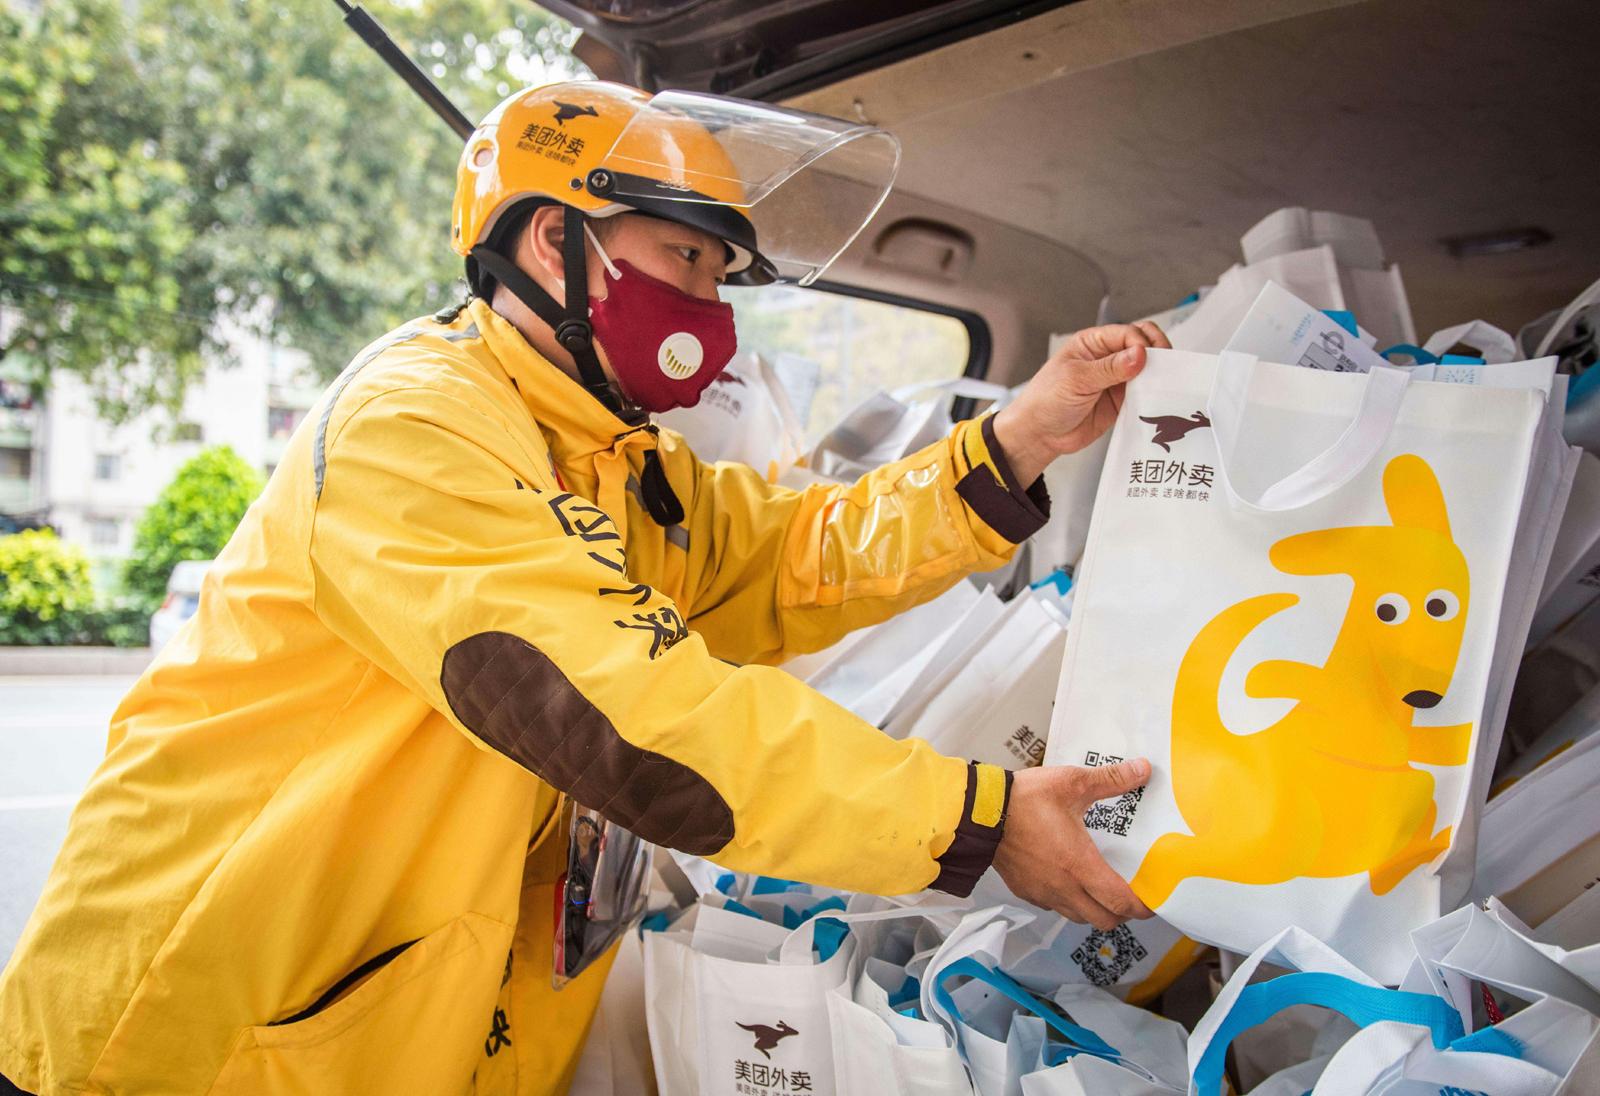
(320, 853)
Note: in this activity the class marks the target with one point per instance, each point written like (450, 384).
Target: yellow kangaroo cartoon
(1329, 790)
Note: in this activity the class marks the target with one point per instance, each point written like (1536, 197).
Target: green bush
(44, 589)
(191, 519)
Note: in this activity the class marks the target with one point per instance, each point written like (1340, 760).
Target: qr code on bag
(1104, 957)
(1116, 815)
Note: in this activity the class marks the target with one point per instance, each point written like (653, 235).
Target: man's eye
(689, 253)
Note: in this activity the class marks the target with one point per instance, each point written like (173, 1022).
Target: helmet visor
(807, 183)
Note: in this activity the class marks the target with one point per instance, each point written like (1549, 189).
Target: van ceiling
(1147, 135)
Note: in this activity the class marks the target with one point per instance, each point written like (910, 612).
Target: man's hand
(1075, 396)
(1046, 855)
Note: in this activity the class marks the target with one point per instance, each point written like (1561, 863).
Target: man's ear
(540, 246)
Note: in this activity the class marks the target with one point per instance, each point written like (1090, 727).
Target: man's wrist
(978, 833)
(1024, 448)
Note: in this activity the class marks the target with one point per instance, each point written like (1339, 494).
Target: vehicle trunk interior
(1114, 151)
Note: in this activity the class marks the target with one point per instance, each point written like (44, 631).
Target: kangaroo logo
(1330, 789)
(767, 1038)
(565, 112)
(1171, 428)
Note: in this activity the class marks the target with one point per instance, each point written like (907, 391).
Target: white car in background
(183, 598)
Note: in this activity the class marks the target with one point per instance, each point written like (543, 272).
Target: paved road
(52, 735)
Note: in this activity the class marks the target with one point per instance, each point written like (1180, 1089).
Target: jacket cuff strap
(983, 821)
(991, 489)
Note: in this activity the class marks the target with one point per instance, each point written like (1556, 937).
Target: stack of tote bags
(1304, 598)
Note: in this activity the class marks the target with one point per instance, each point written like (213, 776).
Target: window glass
(281, 421)
(104, 532)
(16, 463)
(107, 466)
(832, 351)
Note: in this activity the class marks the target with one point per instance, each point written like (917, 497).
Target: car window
(832, 351)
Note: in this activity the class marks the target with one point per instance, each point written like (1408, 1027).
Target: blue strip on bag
(1081, 1039)
(656, 922)
(736, 906)
(910, 992)
(828, 935)
(765, 884)
(1417, 355)
(1489, 1041)
(796, 919)
(1360, 1003)
(1057, 580)
(1583, 386)
(1344, 319)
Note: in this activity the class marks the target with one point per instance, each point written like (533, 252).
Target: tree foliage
(201, 161)
(41, 578)
(47, 598)
(93, 212)
(192, 518)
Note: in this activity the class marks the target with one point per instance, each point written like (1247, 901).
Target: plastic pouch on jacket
(602, 894)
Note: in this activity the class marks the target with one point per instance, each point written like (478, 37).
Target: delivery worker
(322, 851)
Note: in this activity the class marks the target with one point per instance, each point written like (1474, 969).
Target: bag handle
(1079, 1038)
(796, 947)
(1363, 1005)
(1382, 393)
(970, 387)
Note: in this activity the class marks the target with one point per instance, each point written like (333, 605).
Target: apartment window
(107, 466)
(104, 532)
(188, 431)
(16, 464)
(281, 421)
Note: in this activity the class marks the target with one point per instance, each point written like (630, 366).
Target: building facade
(62, 465)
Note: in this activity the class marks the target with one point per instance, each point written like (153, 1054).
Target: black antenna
(373, 34)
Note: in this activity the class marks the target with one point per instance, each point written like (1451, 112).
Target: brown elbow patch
(513, 697)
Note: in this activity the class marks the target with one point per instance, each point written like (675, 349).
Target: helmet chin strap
(570, 323)
(576, 336)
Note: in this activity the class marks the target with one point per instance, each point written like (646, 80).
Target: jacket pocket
(413, 1024)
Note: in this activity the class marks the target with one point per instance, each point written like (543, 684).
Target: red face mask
(665, 346)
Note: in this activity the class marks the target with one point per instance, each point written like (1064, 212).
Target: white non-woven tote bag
(889, 425)
(616, 1055)
(1135, 961)
(1290, 603)
(869, 675)
(1577, 724)
(1534, 1053)
(956, 650)
(1540, 819)
(1373, 291)
(909, 684)
(1469, 946)
(995, 707)
(1573, 581)
(879, 1054)
(1571, 936)
(743, 415)
(1071, 481)
(717, 1023)
(1159, 1047)
(1317, 976)
(997, 1062)
(1311, 274)
(1552, 466)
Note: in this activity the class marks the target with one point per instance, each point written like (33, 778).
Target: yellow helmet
(802, 186)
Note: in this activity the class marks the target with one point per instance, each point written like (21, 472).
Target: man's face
(688, 259)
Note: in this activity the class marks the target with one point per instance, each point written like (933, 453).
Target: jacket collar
(575, 423)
